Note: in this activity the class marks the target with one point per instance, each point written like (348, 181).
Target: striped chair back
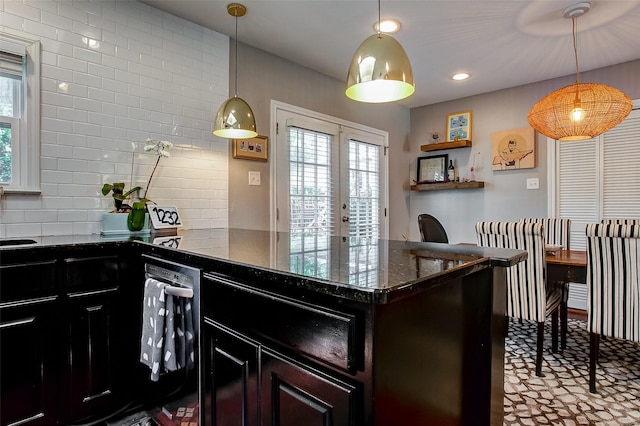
(621, 221)
(556, 230)
(526, 292)
(613, 274)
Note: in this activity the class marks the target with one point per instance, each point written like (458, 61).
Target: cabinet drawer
(91, 272)
(324, 334)
(27, 280)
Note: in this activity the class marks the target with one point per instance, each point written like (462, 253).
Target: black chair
(431, 229)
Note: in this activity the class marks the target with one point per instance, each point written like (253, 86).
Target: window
(19, 114)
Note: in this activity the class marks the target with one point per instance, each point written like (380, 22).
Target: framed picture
(163, 217)
(251, 149)
(459, 126)
(513, 149)
(432, 169)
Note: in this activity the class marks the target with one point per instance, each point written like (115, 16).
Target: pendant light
(380, 70)
(235, 117)
(582, 110)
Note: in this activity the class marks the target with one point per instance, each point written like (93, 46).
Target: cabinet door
(294, 394)
(91, 356)
(230, 371)
(93, 352)
(28, 394)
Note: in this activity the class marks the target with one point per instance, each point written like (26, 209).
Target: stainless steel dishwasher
(178, 391)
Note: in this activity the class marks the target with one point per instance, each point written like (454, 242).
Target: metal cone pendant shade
(235, 119)
(380, 71)
(582, 110)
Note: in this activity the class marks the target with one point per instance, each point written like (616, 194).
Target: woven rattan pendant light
(235, 117)
(380, 70)
(582, 110)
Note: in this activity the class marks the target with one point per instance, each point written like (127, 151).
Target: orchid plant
(161, 149)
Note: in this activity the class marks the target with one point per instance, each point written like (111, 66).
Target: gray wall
(504, 196)
(263, 77)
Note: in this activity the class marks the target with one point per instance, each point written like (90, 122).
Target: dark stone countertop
(378, 270)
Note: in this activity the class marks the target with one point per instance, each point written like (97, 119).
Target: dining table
(569, 266)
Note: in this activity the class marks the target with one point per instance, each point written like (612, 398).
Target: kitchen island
(312, 329)
(318, 330)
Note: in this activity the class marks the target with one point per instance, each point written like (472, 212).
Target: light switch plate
(254, 178)
(533, 183)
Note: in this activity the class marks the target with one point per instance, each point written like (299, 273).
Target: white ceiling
(501, 43)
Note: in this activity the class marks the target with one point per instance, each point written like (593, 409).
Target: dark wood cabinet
(92, 355)
(246, 381)
(230, 365)
(67, 343)
(28, 374)
(273, 371)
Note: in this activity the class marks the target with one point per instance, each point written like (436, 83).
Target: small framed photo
(164, 217)
(251, 149)
(432, 169)
(459, 126)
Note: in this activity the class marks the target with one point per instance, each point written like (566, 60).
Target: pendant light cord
(236, 58)
(575, 46)
(379, 19)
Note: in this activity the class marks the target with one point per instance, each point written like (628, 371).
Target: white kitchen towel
(184, 333)
(157, 307)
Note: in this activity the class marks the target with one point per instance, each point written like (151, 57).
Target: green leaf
(106, 188)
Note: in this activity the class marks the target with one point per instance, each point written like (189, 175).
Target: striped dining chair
(528, 297)
(613, 289)
(621, 221)
(556, 232)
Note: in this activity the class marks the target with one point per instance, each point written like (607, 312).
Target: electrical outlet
(254, 178)
(533, 183)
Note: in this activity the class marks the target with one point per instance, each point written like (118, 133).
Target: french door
(330, 176)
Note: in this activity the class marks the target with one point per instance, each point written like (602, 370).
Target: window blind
(364, 190)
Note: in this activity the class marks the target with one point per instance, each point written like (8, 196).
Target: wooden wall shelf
(463, 143)
(447, 185)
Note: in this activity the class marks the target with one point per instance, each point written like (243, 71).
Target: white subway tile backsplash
(77, 15)
(82, 104)
(72, 64)
(87, 54)
(15, 230)
(85, 29)
(57, 176)
(72, 139)
(88, 129)
(20, 9)
(55, 125)
(101, 119)
(56, 47)
(55, 20)
(114, 62)
(42, 215)
(101, 95)
(57, 228)
(37, 28)
(115, 73)
(101, 70)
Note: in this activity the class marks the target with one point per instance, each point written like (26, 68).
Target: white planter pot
(116, 224)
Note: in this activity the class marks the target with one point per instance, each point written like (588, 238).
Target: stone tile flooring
(561, 396)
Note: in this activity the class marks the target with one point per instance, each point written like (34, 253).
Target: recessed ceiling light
(461, 76)
(387, 26)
